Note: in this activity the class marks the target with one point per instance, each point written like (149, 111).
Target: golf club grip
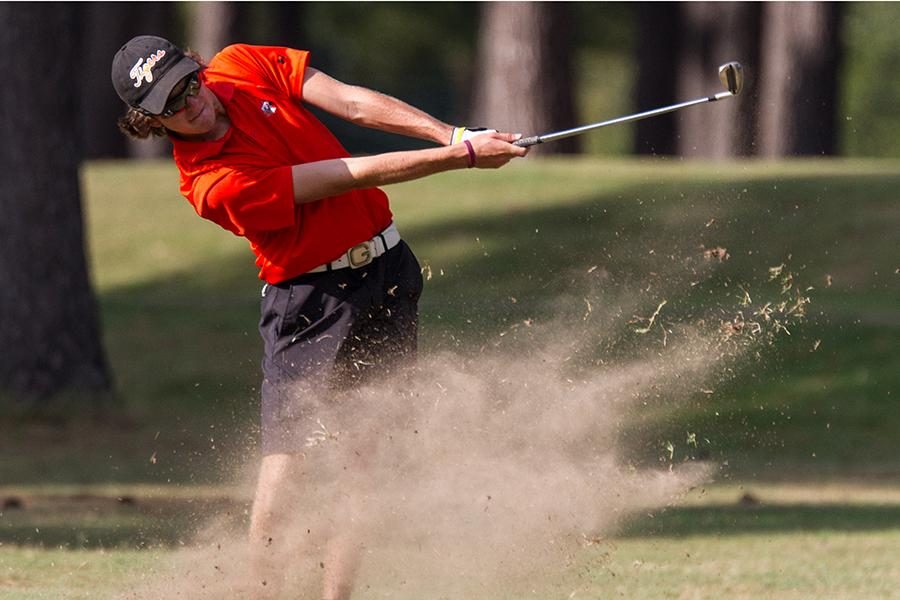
(528, 141)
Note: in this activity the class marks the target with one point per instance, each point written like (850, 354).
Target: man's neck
(223, 124)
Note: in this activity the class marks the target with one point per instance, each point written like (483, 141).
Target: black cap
(145, 70)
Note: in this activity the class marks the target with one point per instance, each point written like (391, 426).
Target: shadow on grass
(731, 519)
(178, 524)
(94, 537)
(638, 236)
(649, 243)
(97, 522)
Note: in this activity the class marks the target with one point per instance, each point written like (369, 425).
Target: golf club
(730, 74)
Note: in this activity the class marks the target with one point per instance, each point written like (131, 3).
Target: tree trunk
(713, 33)
(656, 49)
(103, 34)
(270, 24)
(50, 345)
(525, 83)
(108, 25)
(799, 95)
(286, 23)
(212, 27)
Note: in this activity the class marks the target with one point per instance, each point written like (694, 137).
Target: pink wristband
(471, 153)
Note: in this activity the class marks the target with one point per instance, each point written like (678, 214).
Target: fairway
(796, 421)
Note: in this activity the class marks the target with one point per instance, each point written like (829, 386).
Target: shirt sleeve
(246, 199)
(269, 66)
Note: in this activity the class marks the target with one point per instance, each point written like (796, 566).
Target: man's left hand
(461, 134)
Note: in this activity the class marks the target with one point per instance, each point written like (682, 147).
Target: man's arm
(372, 109)
(320, 179)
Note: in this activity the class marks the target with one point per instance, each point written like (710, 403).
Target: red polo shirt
(242, 181)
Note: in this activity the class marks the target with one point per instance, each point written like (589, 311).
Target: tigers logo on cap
(144, 69)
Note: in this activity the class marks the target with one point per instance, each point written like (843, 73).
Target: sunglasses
(178, 101)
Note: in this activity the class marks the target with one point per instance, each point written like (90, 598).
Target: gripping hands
(493, 150)
(487, 148)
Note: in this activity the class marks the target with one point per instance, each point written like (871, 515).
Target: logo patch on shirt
(268, 108)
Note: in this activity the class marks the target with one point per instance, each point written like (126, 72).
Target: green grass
(804, 565)
(52, 574)
(789, 541)
(534, 241)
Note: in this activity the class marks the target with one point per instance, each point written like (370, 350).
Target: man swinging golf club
(339, 303)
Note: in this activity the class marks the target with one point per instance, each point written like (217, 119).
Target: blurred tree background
(870, 99)
(821, 78)
(815, 62)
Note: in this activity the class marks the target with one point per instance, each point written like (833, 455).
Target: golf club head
(732, 76)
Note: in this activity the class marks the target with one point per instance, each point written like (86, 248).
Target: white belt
(363, 253)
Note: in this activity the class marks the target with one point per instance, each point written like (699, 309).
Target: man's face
(191, 107)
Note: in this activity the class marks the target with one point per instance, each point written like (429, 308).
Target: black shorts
(326, 332)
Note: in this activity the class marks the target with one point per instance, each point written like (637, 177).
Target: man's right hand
(493, 150)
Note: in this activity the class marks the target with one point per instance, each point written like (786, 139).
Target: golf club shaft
(558, 135)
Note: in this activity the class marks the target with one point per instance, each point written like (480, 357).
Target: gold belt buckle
(361, 254)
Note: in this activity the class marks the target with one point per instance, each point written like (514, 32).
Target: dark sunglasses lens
(179, 101)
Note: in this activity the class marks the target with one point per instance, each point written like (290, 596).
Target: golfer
(339, 304)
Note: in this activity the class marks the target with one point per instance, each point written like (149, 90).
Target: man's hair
(139, 125)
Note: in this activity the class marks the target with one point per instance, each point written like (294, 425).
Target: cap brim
(155, 101)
